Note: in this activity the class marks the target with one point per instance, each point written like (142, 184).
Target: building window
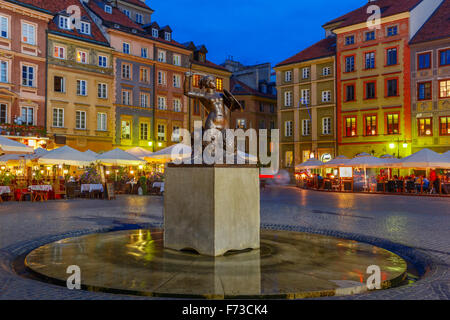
(424, 61)
(102, 61)
(392, 31)
(168, 36)
(102, 90)
(59, 52)
(59, 84)
(80, 120)
(371, 125)
(126, 97)
(177, 105)
(144, 52)
(82, 56)
(126, 48)
(241, 124)
(425, 126)
(219, 84)
(370, 35)
(4, 27)
(196, 107)
(101, 121)
(272, 108)
(161, 56)
(139, 18)
(3, 113)
(326, 125)
(326, 71)
(392, 87)
(161, 78)
(288, 76)
(424, 91)
(349, 40)
(144, 74)
(161, 132)
(4, 73)
(370, 60)
(82, 87)
(27, 115)
(350, 126)
(126, 130)
(126, 71)
(350, 92)
(64, 22)
(261, 107)
(326, 96)
(288, 99)
(145, 98)
(444, 57)
(176, 81)
(127, 13)
(444, 126)
(305, 96)
(58, 117)
(272, 124)
(108, 9)
(306, 127)
(305, 73)
(155, 33)
(444, 89)
(392, 123)
(391, 56)
(370, 90)
(350, 64)
(175, 134)
(162, 103)
(262, 124)
(177, 60)
(288, 129)
(201, 57)
(85, 27)
(28, 76)
(143, 132)
(28, 33)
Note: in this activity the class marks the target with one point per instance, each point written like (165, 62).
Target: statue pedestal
(212, 209)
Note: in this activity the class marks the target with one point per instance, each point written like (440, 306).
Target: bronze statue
(217, 104)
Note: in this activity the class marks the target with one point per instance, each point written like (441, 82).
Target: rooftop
(437, 26)
(239, 88)
(324, 48)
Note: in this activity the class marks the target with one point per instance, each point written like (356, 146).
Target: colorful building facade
(373, 76)
(430, 85)
(22, 71)
(307, 104)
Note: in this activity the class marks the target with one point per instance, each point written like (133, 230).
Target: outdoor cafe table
(40, 191)
(91, 187)
(4, 190)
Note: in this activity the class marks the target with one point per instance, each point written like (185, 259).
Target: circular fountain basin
(289, 265)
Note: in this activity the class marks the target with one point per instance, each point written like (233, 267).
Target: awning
(10, 146)
(177, 151)
(139, 152)
(66, 156)
(310, 164)
(425, 159)
(119, 157)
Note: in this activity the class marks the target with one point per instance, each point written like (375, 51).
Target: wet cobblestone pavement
(416, 228)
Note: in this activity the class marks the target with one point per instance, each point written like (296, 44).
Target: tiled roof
(138, 3)
(36, 4)
(116, 17)
(323, 48)
(60, 6)
(210, 65)
(239, 88)
(388, 8)
(437, 26)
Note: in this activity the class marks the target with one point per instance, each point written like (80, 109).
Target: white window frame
(161, 133)
(162, 56)
(60, 49)
(4, 27)
(162, 103)
(326, 125)
(176, 81)
(305, 96)
(108, 8)
(85, 28)
(29, 31)
(126, 97)
(84, 56)
(139, 18)
(326, 96)
(288, 99)
(27, 110)
(6, 107)
(102, 121)
(177, 105)
(177, 60)
(64, 23)
(144, 49)
(288, 76)
(305, 73)
(126, 48)
(175, 133)
(141, 136)
(105, 59)
(63, 85)
(27, 79)
(162, 78)
(82, 90)
(102, 90)
(145, 99)
(59, 118)
(127, 68)
(4, 71)
(127, 13)
(80, 123)
(288, 128)
(326, 71)
(155, 33)
(306, 125)
(167, 36)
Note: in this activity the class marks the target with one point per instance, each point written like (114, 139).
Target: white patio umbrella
(139, 152)
(447, 155)
(340, 161)
(365, 161)
(425, 159)
(310, 164)
(171, 153)
(119, 157)
(9, 146)
(66, 156)
(91, 153)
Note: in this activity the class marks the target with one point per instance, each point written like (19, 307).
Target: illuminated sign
(346, 172)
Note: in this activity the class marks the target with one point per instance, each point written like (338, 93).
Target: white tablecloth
(41, 188)
(91, 187)
(159, 185)
(4, 190)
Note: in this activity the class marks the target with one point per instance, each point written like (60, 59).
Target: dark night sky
(252, 31)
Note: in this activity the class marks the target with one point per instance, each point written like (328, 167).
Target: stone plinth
(212, 209)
